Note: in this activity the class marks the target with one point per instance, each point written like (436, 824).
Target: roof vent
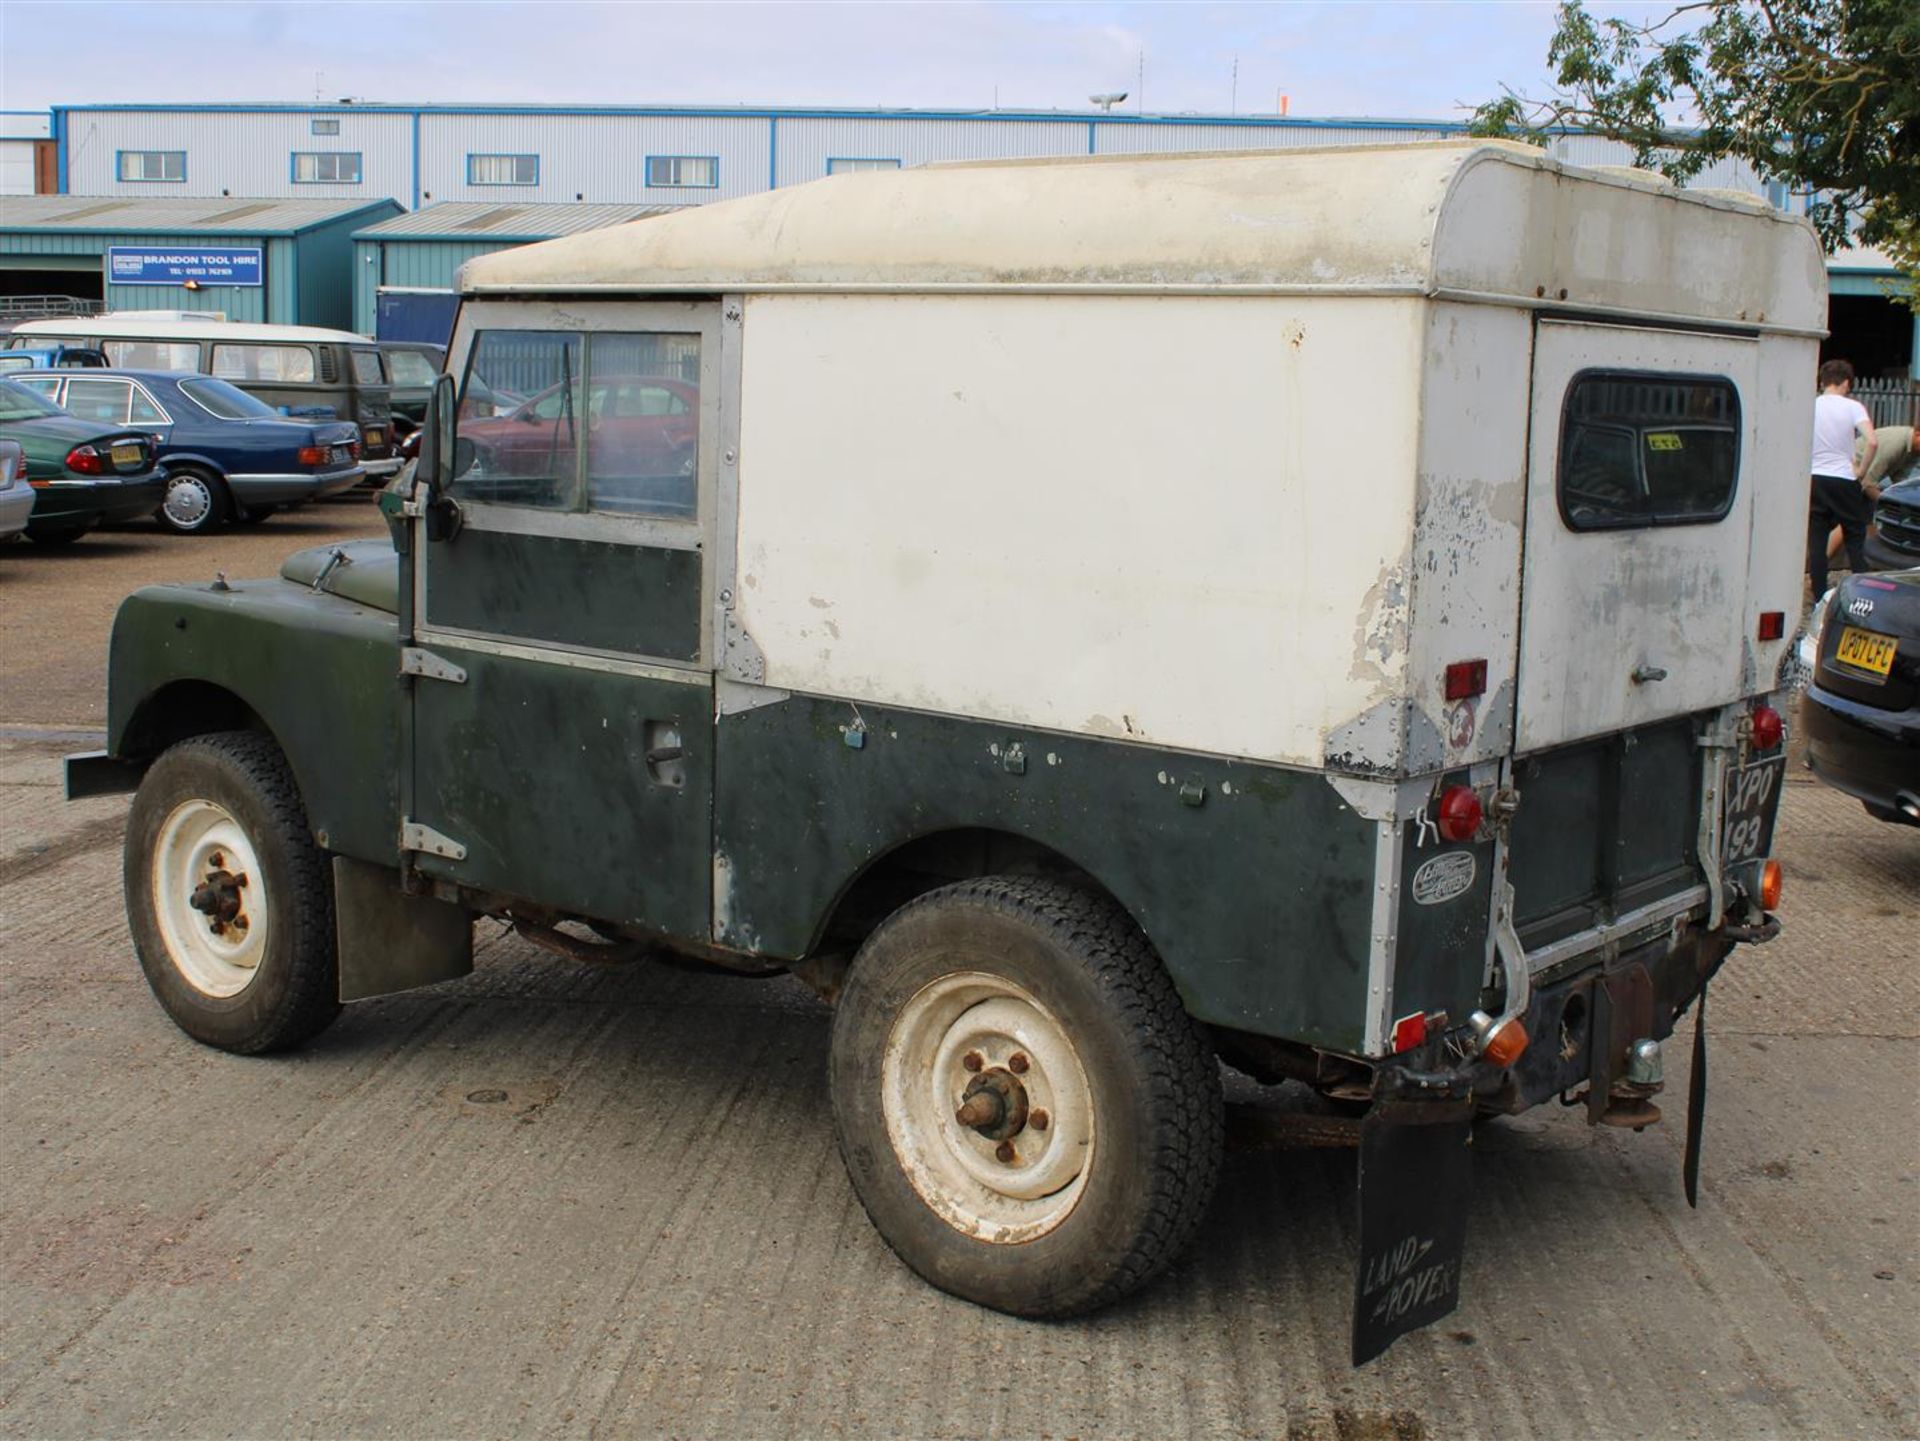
(87, 214)
(239, 212)
(500, 215)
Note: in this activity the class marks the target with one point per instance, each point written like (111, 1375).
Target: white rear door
(1635, 570)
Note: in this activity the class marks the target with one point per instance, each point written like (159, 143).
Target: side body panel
(1182, 520)
(319, 671)
(1253, 882)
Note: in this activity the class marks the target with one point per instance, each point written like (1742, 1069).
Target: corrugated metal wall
(591, 157)
(603, 157)
(239, 153)
(418, 264)
(803, 146)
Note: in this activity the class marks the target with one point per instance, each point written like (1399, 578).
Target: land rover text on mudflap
(952, 585)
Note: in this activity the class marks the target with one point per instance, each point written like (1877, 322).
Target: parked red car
(642, 436)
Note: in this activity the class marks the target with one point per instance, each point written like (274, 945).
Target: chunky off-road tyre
(229, 900)
(1028, 1115)
(197, 502)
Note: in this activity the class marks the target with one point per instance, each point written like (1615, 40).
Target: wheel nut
(973, 1061)
(1003, 1153)
(1017, 1063)
(1039, 1120)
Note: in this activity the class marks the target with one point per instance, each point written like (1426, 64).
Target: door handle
(1643, 674)
(665, 753)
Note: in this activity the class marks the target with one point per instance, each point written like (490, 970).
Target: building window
(326, 167)
(153, 165)
(846, 165)
(325, 127)
(503, 170)
(700, 172)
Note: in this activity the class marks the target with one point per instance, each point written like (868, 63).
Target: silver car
(16, 496)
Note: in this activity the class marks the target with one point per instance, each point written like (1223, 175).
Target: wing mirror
(444, 457)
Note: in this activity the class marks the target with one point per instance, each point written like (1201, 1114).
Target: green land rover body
(1090, 619)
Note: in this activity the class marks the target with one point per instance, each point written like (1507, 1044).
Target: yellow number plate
(125, 454)
(1863, 650)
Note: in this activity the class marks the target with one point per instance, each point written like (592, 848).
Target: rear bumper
(15, 506)
(383, 468)
(1873, 755)
(64, 504)
(1582, 1024)
(293, 488)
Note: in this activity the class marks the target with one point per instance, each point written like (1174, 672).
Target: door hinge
(428, 841)
(424, 663)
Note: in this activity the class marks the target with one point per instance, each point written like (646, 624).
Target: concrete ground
(552, 1200)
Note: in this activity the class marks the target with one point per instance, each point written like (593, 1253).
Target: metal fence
(41, 307)
(1890, 402)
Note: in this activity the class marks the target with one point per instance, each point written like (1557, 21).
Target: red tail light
(314, 455)
(1460, 813)
(1409, 1031)
(1773, 624)
(86, 460)
(1767, 727)
(1466, 679)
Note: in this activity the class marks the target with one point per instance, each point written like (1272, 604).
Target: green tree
(1822, 95)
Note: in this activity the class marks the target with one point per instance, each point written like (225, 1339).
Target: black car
(1894, 542)
(83, 473)
(1862, 709)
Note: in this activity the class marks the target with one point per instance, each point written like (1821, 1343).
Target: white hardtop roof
(1476, 219)
(111, 327)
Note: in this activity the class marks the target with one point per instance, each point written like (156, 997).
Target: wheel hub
(218, 897)
(994, 1105)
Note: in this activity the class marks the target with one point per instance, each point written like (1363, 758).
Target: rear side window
(1639, 449)
(366, 368)
(102, 400)
(153, 354)
(410, 367)
(291, 363)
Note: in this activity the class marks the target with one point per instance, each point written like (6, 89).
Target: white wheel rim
(218, 954)
(1004, 1197)
(189, 500)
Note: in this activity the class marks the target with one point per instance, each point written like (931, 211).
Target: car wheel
(1030, 1118)
(196, 502)
(62, 535)
(229, 900)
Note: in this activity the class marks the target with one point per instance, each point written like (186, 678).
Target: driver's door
(562, 684)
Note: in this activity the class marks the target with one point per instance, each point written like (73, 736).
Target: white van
(302, 370)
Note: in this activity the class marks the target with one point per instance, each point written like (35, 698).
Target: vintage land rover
(1091, 619)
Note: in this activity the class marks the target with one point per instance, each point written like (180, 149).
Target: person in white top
(1837, 497)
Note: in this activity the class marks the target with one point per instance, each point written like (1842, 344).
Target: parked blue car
(226, 454)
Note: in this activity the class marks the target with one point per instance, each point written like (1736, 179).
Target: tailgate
(1640, 506)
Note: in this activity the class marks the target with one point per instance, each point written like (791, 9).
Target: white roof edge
(1334, 218)
(113, 327)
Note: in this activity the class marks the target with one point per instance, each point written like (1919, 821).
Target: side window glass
(292, 364)
(643, 445)
(521, 419)
(605, 421)
(1640, 450)
(153, 354)
(102, 400)
(144, 411)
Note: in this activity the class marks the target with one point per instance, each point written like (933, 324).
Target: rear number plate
(341, 455)
(1863, 650)
(125, 452)
(1746, 833)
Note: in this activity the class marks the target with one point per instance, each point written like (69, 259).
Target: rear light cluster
(1768, 728)
(86, 460)
(1466, 679)
(1772, 883)
(1460, 814)
(319, 455)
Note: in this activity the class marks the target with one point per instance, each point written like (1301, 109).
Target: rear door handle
(1642, 674)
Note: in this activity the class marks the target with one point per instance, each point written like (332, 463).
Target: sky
(1390, 59)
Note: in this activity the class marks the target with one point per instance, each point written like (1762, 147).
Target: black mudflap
(1416, 1182)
